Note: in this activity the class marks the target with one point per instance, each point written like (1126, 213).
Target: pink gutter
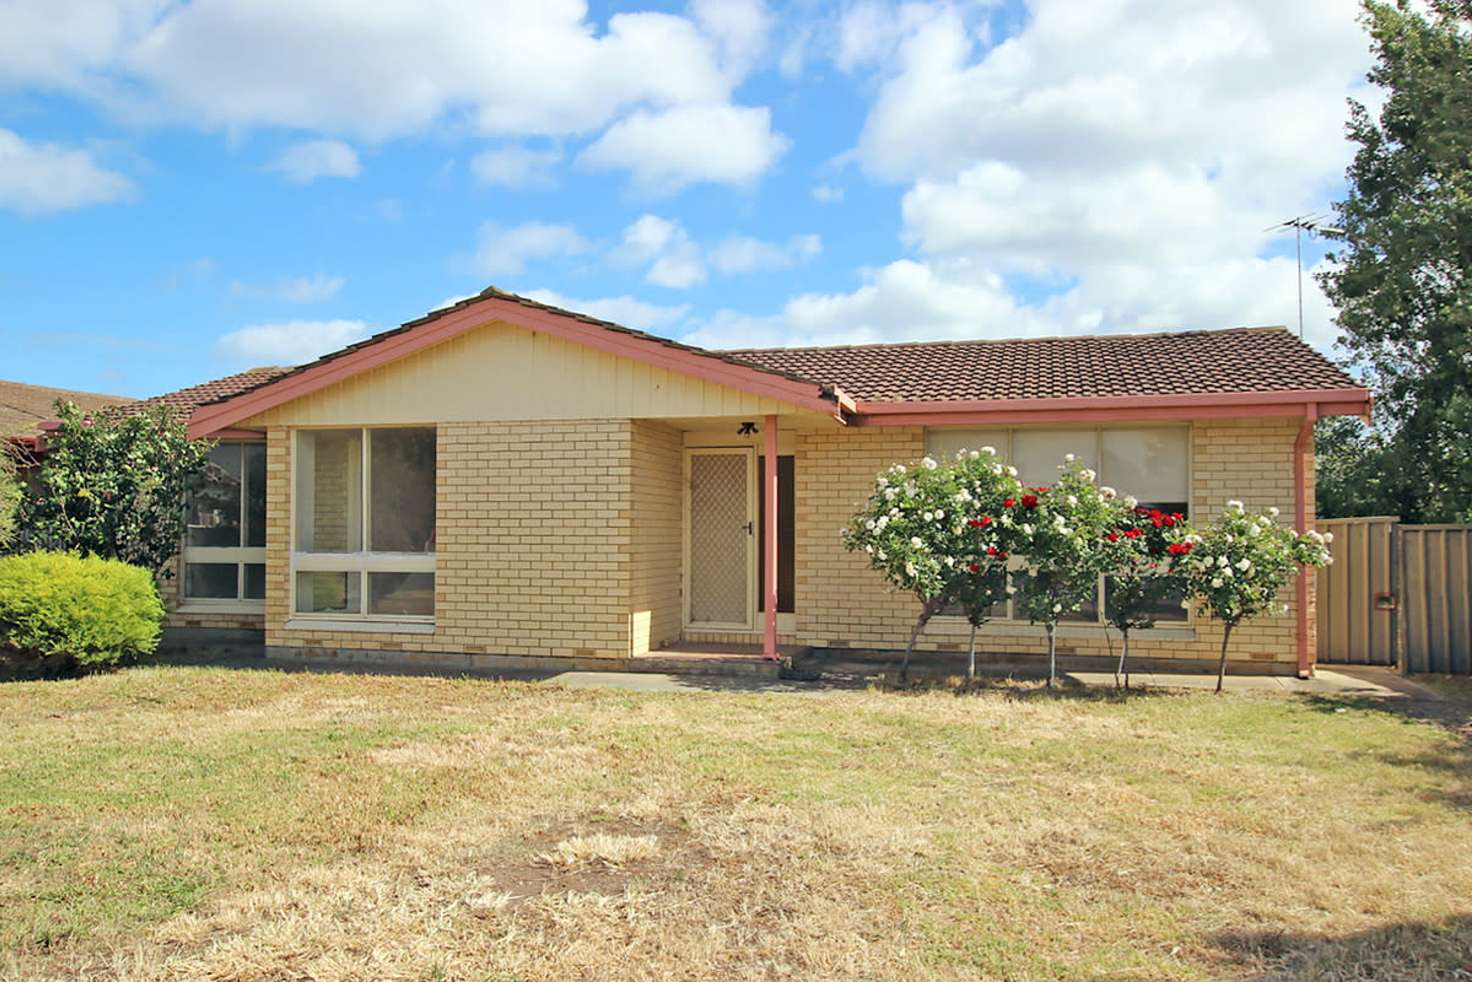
(769, 557)
(1302, 446)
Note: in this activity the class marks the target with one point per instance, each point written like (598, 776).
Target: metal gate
(1436, 615)
(1397, 595)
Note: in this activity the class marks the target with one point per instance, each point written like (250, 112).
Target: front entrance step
(697, 658)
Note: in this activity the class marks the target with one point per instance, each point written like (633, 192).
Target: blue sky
(188, 189)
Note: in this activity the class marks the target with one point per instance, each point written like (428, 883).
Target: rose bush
(1061, 531)
(1240, 563)
(936, 529)
(1144, 554)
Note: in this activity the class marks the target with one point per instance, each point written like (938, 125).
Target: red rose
(980, 523)
(1009, 502)
(1132, 533)
(991, 550)
(1029, 501)
(1178, 548)
(974, 568)
(1112, 536)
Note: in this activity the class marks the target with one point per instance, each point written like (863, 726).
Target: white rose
(950, 560)
(1072, 501)
(1011, 589)
(916, 542)
(899, 468)
(1107, 493)
(1234, 505)
(1328, 537)
(1273, 512)
(1088, 474)
(1131, 502)
(882, 555)
(869, 550)
(1245, 564)
(1011, 472)
(929, 516)
(928, 463)
(1216, 582)
(1057, 608)
(989, 451)
(910, 568)
(870, 525)
(939, 515)
(1069, 458)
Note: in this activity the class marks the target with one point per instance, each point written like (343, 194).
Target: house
(504, 479)
(24, 407)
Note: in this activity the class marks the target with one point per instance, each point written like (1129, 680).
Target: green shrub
(61, 613)
(9, 498)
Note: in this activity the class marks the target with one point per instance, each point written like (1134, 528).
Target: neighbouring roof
(24, 407)
(185, 401)
(1254, 359)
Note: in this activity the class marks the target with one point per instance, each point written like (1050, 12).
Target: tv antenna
(1313, 224)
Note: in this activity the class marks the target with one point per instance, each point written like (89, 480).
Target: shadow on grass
(1017, 687)
(1410, 950)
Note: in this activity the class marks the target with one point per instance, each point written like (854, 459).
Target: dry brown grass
(186, 823)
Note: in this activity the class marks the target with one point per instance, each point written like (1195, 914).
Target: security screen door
(721, 557)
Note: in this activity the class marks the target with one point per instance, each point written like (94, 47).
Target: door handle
(750, 527)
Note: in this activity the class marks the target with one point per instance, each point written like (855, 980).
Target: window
(1151, 463)
(225, 529)
(364, 537)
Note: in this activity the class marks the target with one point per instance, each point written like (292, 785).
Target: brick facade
(564, 539)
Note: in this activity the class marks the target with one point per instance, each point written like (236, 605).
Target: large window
(1151, 463)
(225, 529)
(363, 543)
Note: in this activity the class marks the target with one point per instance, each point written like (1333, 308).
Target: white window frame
(361, 562)
(1016, 562)
(241, 556)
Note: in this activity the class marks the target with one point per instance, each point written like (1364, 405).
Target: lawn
(187, 822)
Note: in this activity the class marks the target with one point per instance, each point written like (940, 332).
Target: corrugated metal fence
(1397, 595)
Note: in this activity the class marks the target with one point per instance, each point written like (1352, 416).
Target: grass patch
(184, 822)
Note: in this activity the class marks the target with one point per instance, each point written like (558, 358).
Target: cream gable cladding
(502, 372)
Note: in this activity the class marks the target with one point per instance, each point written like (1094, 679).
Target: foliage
(1241, 562)
(937, 530)
(1142, 557)
(116, 486)
(1061, 531)
(10, 494)
(1402, 283)
(60, 611)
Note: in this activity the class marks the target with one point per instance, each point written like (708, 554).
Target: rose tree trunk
(1221, 665)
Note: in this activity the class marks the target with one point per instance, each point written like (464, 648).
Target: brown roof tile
(185, 401)
(24, 407)
(1182, 363)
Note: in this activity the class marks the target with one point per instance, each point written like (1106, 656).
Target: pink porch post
(769, 488)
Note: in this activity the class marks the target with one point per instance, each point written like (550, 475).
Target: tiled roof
(24, 407)
(184, 401)
(1260, 359)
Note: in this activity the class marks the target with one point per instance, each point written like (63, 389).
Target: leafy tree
(1402, 282)
(926, 526)
(1142, 553)
(115, 486)
(1062, 531)
(1241, 562)
(10, 492)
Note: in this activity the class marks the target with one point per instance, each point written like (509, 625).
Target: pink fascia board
(1330, 402)
(807, 395)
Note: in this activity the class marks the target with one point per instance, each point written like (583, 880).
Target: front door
(720, 558)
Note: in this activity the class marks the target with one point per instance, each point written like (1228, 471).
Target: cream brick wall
(169, 591)
(538, 550)
(841, 601)
(657, 557)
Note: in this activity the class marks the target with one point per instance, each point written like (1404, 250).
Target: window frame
(362, 562)
(240, 556)
(1015, 562)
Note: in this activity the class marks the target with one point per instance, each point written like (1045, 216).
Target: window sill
(364, 626)
(221, 607)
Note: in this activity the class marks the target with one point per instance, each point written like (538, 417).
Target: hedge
(61, 613)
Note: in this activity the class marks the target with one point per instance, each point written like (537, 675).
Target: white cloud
(507, 250)
(827, 194)
(514, 166)
(297, 289)
(626, 310)
(289, 342)
(311, 159)
(43, 177)
(1125, 184)
(744, 254)
(689, 144)
(738, 27)
(678, 269)
(645, 239)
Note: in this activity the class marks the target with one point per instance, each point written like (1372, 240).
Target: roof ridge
(1131, 336)
(59, 388)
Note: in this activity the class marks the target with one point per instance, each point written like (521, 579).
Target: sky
(188, 189)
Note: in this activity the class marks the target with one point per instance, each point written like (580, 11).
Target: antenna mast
(1314, 225)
